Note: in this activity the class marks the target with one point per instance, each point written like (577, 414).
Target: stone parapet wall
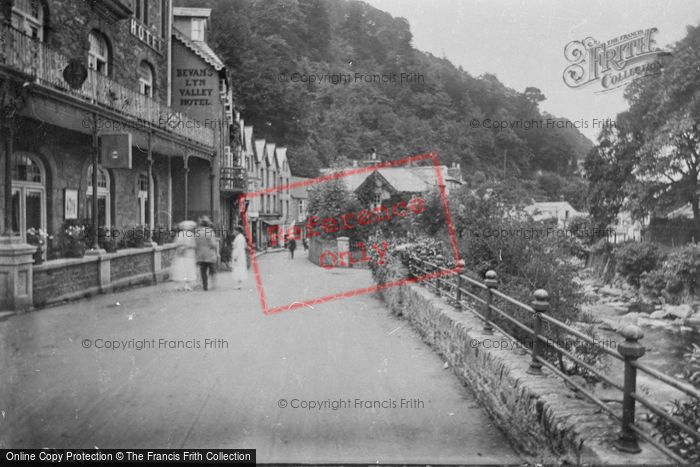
(68, 279)
(543, 418)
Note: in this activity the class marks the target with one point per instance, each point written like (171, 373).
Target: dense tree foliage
(283, 56)
(650, 161)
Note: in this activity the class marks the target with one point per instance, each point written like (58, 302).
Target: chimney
(354, 163)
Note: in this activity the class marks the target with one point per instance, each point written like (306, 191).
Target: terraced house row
(267, 169)
(115, 113)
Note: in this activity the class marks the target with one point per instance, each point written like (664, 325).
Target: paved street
(56, 393)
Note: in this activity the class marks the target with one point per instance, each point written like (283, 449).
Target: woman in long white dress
(184, 268)
(238, 256)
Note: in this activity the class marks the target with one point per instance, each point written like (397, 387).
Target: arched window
(146, 79)
(104, 218)
(144, 195)
(28, 193)
(98, 56)
(28, 17)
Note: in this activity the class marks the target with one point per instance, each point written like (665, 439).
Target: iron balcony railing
(233, 179)
(446, 283)
(35, 58)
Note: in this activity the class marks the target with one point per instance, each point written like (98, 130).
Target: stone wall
(134, 264)
(68, 279)
(542, 417)
(317, 246)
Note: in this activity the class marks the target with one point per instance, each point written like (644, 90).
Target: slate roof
(403, 179)
(201, 49)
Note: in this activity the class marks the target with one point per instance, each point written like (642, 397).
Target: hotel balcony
(233, 180)
(45, 66)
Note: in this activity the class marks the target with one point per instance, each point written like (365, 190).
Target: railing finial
(630, 350)
(491, 282)
(540, 304)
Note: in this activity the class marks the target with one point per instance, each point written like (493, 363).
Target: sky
(522, 42)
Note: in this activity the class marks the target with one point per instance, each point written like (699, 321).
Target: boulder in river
(673, 312)
(641, 307)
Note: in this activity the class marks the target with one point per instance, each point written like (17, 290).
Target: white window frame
(143, 197)
(32, 26)
(24, 187)
(102, 192)
(145, 85)
(197, 32)
(97, 60)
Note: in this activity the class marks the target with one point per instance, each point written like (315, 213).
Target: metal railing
(46, 65)
(446, 283)
(233, 179)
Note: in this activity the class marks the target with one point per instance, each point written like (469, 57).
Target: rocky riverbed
(669, 330)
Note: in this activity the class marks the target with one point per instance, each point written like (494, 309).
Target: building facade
(268, 173)
(74, 73)
(142, 77)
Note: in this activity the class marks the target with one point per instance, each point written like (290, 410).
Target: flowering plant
(71, 241)
(37, 236)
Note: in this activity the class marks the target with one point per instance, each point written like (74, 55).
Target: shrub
(653, 282)
(582, 228)
(678, 278)
(684, 264)
(602, 247)
(634, 258)
(688, 412)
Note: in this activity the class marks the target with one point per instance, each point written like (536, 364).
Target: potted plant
(38, 237)
(71, 241)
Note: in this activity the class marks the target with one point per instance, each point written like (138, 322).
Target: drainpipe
(95, 168)
(169, 37)
(9, 149)
(151, 194)
(187, 195)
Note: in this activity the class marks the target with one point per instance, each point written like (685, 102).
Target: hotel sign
(145, 35)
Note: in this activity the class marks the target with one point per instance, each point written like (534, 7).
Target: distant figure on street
(184, 271)
(292, 245)
(207, 251)
(305, 243)
(239, 258)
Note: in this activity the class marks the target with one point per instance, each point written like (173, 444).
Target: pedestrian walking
(291, 245)
(239, 258)
(206, 251)
(305, 243)
(184, 271)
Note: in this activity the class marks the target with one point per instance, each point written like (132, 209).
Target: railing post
(458, 293)
(630, 350)
(491, 282)
(540, 304)
(436, 271)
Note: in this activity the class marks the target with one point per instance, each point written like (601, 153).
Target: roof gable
(248, 140)
(259, 150)
(270, 153)
(281, 156)
(201, 49)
